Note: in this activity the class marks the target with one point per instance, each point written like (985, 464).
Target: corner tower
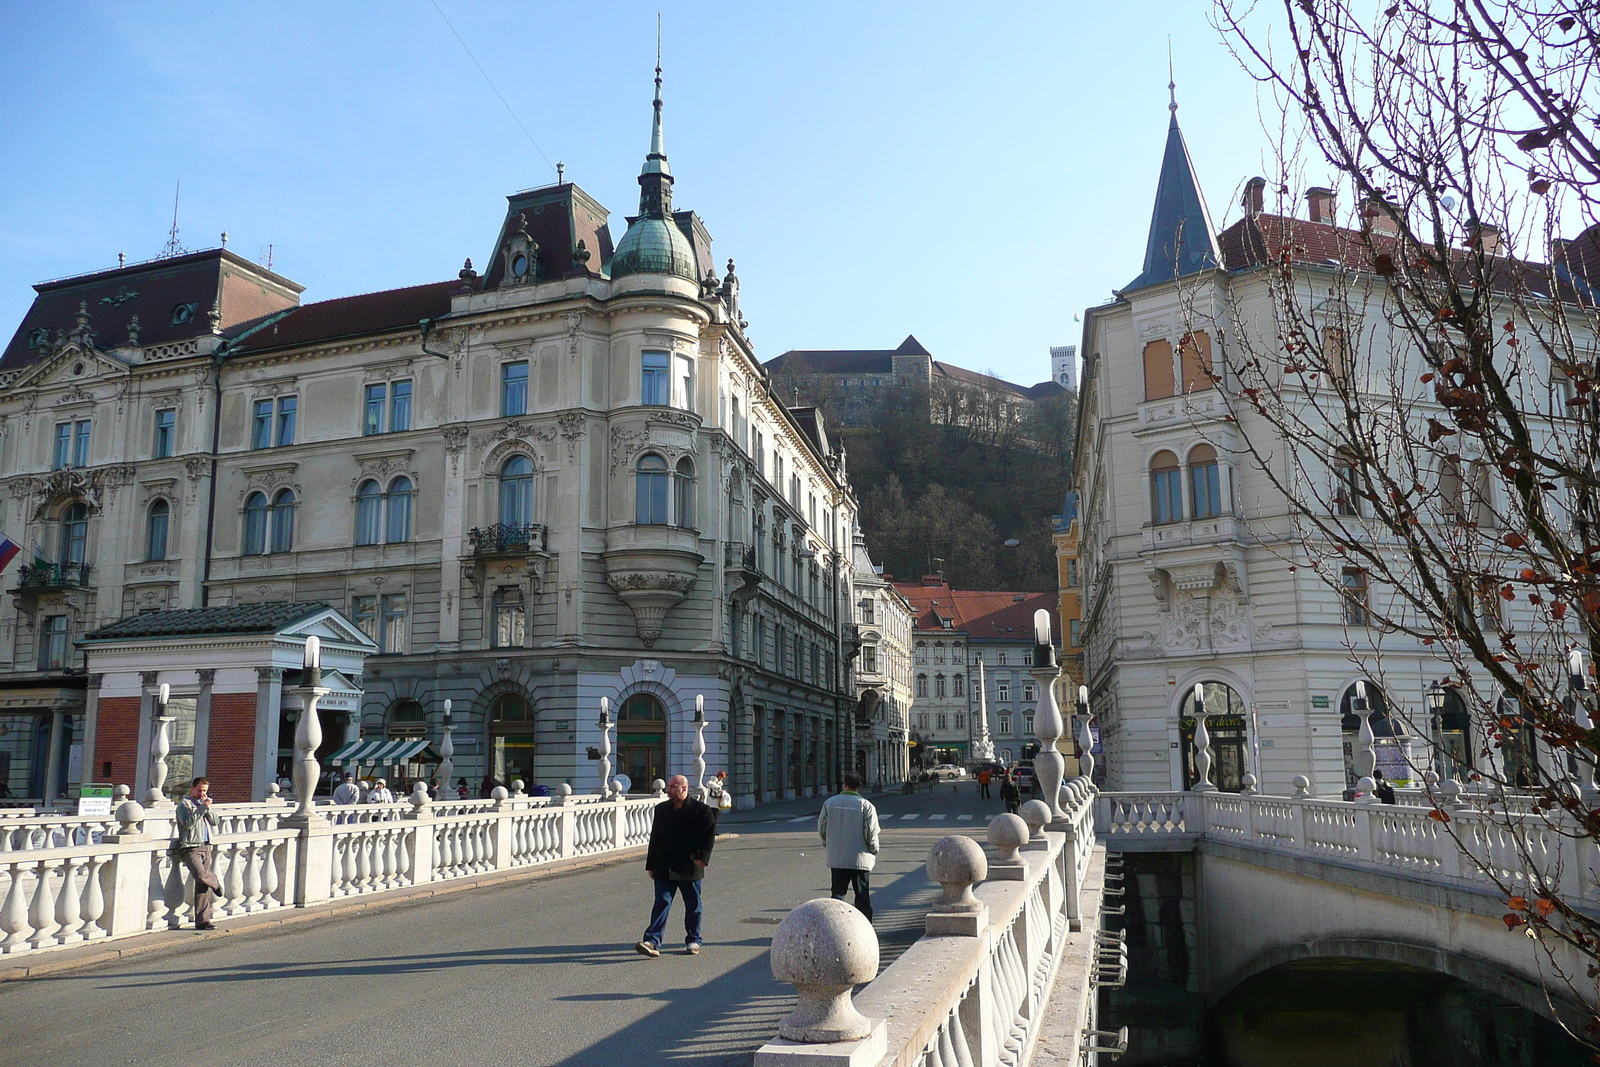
(654, 244)
(1182, 240)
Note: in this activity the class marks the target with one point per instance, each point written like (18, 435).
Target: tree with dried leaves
(1423, 390)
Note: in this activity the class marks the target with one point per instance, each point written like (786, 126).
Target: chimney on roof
(1321, 202)
(1483, 236)
(1378, 214)
(933, 579)
(1254, 196)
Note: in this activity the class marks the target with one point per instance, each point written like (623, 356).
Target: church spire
(655, 177)
(1182, 240)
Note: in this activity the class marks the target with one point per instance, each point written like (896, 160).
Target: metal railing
(504, 539)
(53, 576)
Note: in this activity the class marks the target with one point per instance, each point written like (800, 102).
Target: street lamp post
(308, 731)
(1085, 737)
(1049, 767)
(605, 746)
(1202, 742)
(447, 751)
(1436, 701)
(1580, 679)
(700, 746)
(160, 745)
(1366, 757)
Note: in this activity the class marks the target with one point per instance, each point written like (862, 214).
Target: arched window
(1205, 485)
(155, 530)
(642, 740)
(255, 524)
(399, 511)
(652, 490)
(74, 533)
(283, 521)
(407, 719)
(516, 491)
(511, 739)
(1166, 488)
(683, 494)
(369, 513)
(1227, 723)
(1158, 378)
(1384, 732)
(1455, 737)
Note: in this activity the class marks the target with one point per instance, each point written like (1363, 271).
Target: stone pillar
(52, 760)
(825, 948)
(957, 863)
(129, 874)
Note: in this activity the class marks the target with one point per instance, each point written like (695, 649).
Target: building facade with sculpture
(523, 489)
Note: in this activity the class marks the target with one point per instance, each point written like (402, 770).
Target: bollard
(1008, 833)
(824, 948)
(1035, 813)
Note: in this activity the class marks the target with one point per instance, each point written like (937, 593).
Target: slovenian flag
(8, 551)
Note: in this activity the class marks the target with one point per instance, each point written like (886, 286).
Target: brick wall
(230, 759)
(116, 741)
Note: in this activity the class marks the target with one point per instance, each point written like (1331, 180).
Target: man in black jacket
(681, 838)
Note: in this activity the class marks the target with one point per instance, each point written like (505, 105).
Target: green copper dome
(653, 246)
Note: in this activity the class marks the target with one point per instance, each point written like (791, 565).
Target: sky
(973, 174)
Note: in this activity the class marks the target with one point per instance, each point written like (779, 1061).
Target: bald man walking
(681, 839)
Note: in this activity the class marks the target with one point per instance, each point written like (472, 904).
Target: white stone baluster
(94, 899)
(68, 919)
(255, 856)
(233, 881)
(14, 913)
(1085, 736)
(42, 916)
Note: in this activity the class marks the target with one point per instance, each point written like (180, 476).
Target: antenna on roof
(266, 257)
(173, 248)
(1172, 82)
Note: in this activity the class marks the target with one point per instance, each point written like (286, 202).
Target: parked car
(944, 771)
(1022, 774)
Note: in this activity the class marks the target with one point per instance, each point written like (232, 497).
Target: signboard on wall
(94, 800)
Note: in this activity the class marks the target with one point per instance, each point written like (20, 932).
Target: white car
(946, 770)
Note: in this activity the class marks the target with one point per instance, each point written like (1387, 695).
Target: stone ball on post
(1366, 790)
(499, 793)
(1007, 833)
(658, 788)
(1302, 786)
(419, 796)
(1035, 813)
(956, 863)
(517, 787)
(130, 815)
(824, 948)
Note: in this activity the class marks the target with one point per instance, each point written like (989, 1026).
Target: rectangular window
(1075, 631)
(869, 659)
(1027, 722)
(1206, 485)
(261, 429)
(1002, 691)
(1346, 487)
(364, 610)
(944, 721)
(1027, 692)
(961, 720)
(399, 407)
(53, 643)
(1168, 487)
(1072, 573)
(1354, 580)
(287, 406)
(1002, 659)
(377, 401)
(166, 421)
(63, 452)
(184, 711)
(761, 453)
(653, 385)
(1005, 724)
(510, 618)
(683, 383)
(514, 388)
(392, 623)
(80, 444)
(1027, 658)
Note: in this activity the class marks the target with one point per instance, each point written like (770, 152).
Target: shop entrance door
(642, 741)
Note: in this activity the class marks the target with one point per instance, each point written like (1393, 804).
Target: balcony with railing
(506, 539)
(47, 577)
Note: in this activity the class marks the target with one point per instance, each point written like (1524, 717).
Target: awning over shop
(385, 752)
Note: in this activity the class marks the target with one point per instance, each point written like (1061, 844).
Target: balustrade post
(129, 877)
(160, 746)
(422, 849)
(500, 829)
(566, 821)
(1297, 812)
(1365, 830)
(957, 863)
(447, 751)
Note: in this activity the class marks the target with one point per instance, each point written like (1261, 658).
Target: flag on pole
(8, 551)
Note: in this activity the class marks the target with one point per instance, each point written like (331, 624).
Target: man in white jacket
(849, 824)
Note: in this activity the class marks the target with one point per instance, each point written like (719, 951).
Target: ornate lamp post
(1202, 742)
(1580, 679)
(1049, 767)
(983, 747)
(605, 746)
(1085, 738)
(447, 750)
(1436, 701)
(308, 731)
(1367, 752)
(160, 745)
(700, 746)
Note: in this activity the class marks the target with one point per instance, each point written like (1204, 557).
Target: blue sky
(973, 174)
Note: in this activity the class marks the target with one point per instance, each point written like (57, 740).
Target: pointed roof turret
(1182, 240)
(654, 244)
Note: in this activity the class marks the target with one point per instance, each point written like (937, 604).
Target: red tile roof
(981, 614)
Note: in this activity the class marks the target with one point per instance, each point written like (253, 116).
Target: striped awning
(385, 751)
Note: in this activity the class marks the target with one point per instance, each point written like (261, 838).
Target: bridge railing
(67, 880)
(1453, 841)
(972, 991)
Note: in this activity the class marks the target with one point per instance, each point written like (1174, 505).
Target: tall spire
(1182, 240)
(655, 177)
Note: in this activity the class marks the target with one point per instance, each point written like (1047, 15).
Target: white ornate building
(882, 673)
(557, 480)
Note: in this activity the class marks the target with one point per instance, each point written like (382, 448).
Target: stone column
(1049, 767)
(52, 760)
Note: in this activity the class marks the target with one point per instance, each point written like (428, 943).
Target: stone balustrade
(65, 880)
(1455, 842)
(972, 991)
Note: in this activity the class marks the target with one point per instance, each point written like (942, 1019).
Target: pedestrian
(489, 782)
(462, 791)
(983, 784)
(193, 848)
(1010, 795)
(434, 788)
(682, 834)
(849, 824)
(1384, 791)
(348, 792)
(379, 793)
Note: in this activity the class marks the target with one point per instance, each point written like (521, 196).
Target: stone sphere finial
(1302, 787)
(956, 863)
(1452, 793)
(564, 789)
(419, 796)
(1035, 813)
(1247, 784)
(272, 791)
(1430, 778)
(1366, 790)
(121, 793)
(498, 793)
(130, 815)
(1007, 832)
(658, 788)
(824, 948)
(517, 787)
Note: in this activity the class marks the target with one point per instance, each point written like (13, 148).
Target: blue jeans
(665, 887)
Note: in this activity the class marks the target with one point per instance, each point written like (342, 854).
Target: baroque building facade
(882, 673)
(558, 480)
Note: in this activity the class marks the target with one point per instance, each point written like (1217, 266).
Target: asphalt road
(530, 974)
